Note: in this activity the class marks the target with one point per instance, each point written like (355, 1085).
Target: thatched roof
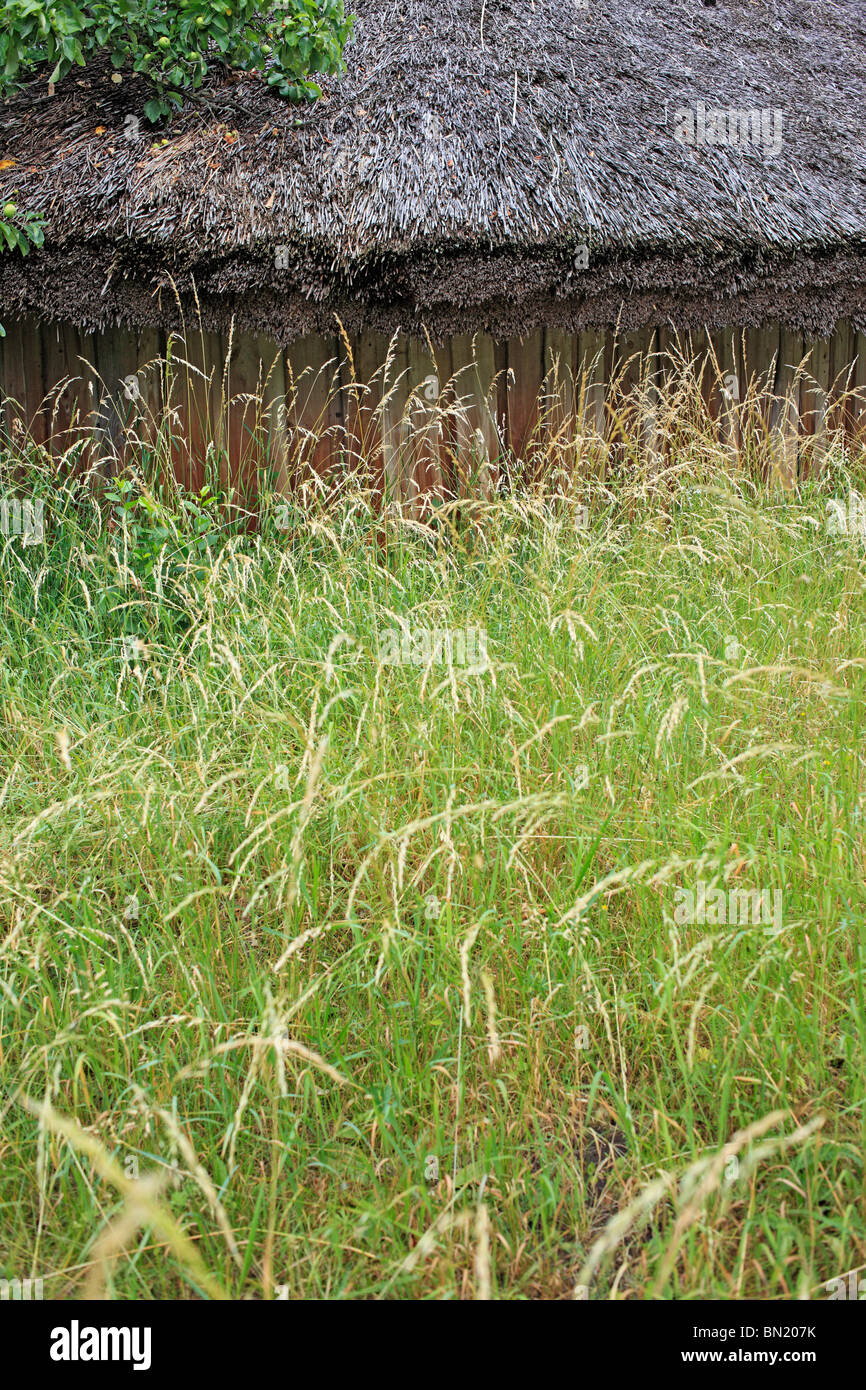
(450, 175)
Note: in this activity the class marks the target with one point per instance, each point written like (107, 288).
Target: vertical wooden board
(334, 452)
(841, 410)
(526, 373)
(723, 363)
(686, 378)
(675, 347)
(327, 451)
(558, 396)
(702, 356)
(591, 381)
(626, 364)
(727, 387)
(116, 361)
(423, 472)
(310, 365)
(13, 385)
(448, 444)
(667, 375)
(58, 373)
(275, 414)
(151, 352)
(116, 364)
(740, 347)
(860, 387)
(88, 396)
(499, 405)
(197, 393)
(816, 385)
(630, 353)
(484, 350)
(651, 424)
(763, 346)
(559, 352)
(121, 400)
(486, 392)
(4, 426)
(673, 350)
(785, 408)
(105, 423)
(393, 413)
(244, 385)
(33, 380)
(81, 355)
(473, 362)
(212, 393)
(364, 398)
(464, 406)
(176, 404)
(354, 404)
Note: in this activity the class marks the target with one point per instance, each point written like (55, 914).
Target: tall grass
(327, 977)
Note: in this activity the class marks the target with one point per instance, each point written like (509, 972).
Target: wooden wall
(420, 417)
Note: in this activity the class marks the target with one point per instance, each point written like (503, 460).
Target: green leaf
(303, 37)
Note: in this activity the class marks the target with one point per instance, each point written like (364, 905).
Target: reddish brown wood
(525, 376)
(860, 387)
(419, 416)
(476, 440)
(363, 392)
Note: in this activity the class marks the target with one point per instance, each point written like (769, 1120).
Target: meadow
(339, 964)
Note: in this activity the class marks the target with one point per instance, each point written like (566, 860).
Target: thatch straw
(450, 176)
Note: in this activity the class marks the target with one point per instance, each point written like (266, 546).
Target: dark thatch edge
(449, 178)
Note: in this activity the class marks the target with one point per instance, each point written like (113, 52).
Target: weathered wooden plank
(526, 373)
(244, 385)
(13, 382)
(763, 347)
(785, 406)
(422, 467)
(117, 391)
(484, 351)
(364, 393)
(271, 434)
(394, 417)
(197, 391)
(473, 360)
(311, 363)
(860, 386)
(632, 401)
(558, 398)
(448, 443)
(499, 399)
(34, 382)
(151, 356)
(669, 380)
(841, 377)
(727, 388)
(651, 426)
(338, 409)
(814, 403)
(701, 354)
(591, 381)
(58, 375)
(559, 353)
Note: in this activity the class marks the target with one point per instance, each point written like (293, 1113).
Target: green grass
(387, 925)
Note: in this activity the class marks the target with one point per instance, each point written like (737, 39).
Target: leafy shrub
(18, 232)
(173, 45)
